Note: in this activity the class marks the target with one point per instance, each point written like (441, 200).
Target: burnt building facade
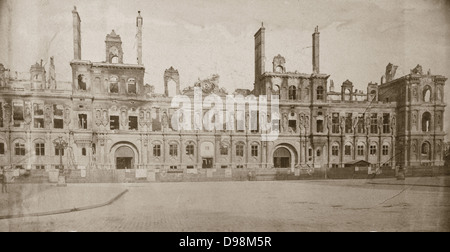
(111, 120)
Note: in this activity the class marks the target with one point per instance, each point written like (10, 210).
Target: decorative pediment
(208, 86)
(417, 70)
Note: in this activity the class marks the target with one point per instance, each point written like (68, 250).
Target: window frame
(39, 149)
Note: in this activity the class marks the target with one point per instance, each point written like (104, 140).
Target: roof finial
(316, 29)
(262, 24)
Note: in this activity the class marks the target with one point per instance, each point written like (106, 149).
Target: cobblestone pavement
(334, 205)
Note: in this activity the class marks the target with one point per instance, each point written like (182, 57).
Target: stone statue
(165, 121)
(285, 123)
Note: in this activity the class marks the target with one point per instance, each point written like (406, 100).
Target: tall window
(38, 115)
(82, 121)
(40, 149)
(2, 148)
(240, 150)
(81, 82)
(58, 121)
(348, 150)
(83, 152)
(190, 150)
(360, 150)
(18, 114)
(427, 94)
(292, 93)
(361, 125)
(114, 123)
(254, 150)
(133, 123)
(223, 150)
(157, 150)
(335, 150)
(374, 123)
(132, 86)
(348, 123)
(373, 149)
(320, 93)
(385, 150)
(386, 123)
(335, 123)
(426, 122)
(19, 149)
(319, 125)
(173, 150)
(114, 85)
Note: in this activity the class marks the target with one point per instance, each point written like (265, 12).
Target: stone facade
(111, 120)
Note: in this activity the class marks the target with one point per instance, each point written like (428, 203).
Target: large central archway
(124, 157)
(282, 158)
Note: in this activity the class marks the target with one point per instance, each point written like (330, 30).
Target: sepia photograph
(224, 116)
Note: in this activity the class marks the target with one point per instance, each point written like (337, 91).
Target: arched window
(279, 69)
(318, 153)
(360, 149)
(190, 149)
(292, 93)
(132, 86)
(19, 148)
(348, 149)
(335, 150)
(426, 151)
(347, 94)
(81, 82)
(385, 150)
(114, 59)
(426, 122)
(427, 94)
(224, 150)
(114, 84)
(240, 150)
(319, 93)
(173, 150)
(373, 149)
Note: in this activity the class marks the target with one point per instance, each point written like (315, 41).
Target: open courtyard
(416, 204)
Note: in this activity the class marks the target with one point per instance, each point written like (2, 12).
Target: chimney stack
(315, 52)
(139, 23)
(76, 34)
(259, 54)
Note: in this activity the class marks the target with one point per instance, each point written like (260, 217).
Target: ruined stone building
(111, 120)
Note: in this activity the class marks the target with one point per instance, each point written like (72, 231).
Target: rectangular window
(18, 114)
(58, 113)
(254, 150)
(2, 149)
(59, 167)
(19, 149)
(114, 87)
(173, 167)
(190, 167)
(224, 166)
(348, 123)
(348, 150)
(385, 150)
(361, 125)
(131, 86)
(386, 123)
(38, 115)
(373, 149)
(190, 149)
(334, 150)
(360, 150)
(114, 122)
(319, 126)
(334, 166)
(224, 150)
(157, 150)
(374, 123)
(173, 150)
(82, 121)
(40, 149)
(57, 152)
(40, 167)
(293, 124)
(240, 150)
(335, 123)
(239, 167)
(133, 123)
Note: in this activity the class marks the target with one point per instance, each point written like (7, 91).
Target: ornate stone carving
(417, 70)
(48, 116)
(98, 117)
(67, 117)
(105, 120)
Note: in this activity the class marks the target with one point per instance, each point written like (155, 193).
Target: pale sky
(358, 38)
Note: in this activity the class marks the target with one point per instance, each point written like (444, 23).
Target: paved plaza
(417, 204)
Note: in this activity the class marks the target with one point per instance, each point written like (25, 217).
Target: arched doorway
(282, 158)
(124, 157)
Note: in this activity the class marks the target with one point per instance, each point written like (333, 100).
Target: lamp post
(60, 145)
